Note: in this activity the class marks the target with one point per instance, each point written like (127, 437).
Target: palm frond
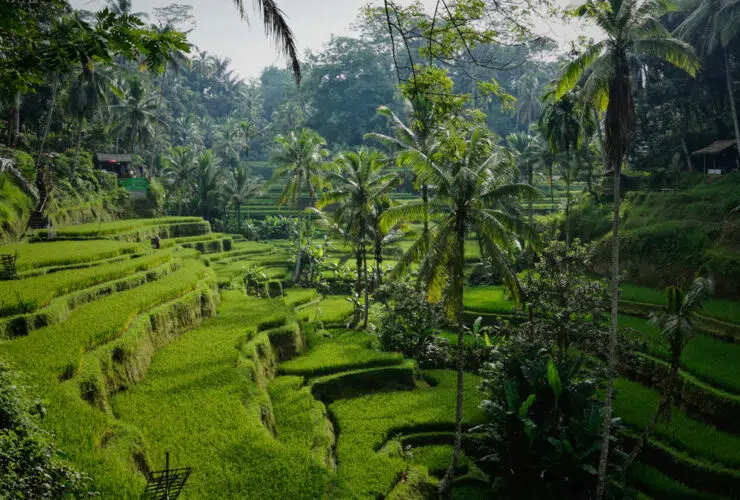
(575, 70)
(677, 52)
(276, 27)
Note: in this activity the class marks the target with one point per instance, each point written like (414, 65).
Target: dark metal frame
(166, 484)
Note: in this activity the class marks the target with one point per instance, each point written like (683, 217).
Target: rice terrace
(459, 249)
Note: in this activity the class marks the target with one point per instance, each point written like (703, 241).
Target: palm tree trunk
(425, 199)
(297, 270)
(612, 354)
(567, 198)
(16, 115)
(552, 192)
(378, 259)
(689, 163)
(78, 143)
(530, 179)
(238, 216)
(457, 284)
(358, 284)
(367, 288)
(159, 108)
(54, 89)
(731, 93)
(663, 405)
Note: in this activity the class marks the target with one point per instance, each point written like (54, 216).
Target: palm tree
(632, 31)
(717, 23)
(178, 170)
(676, 326)
(239, 189)
(520, 145)
(276, 27)
(207, 178)
(229, 142)
(528, 101)
(414, 145)
(473, 197)
(139, 114)
(359, 182)
(299, 160)
(565, 126)
(124, 8)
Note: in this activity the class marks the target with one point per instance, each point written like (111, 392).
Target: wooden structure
(8, 271)
(720, 157)
(121, 165)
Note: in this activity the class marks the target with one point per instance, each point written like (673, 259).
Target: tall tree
(299, 161)
(473, 196)
(240, 187)
(360, 181)
(179, 165)
(207, 179)
(632, 31)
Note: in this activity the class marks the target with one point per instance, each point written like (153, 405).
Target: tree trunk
(612, 354)
(45, 134)
(367, 288)
(378, 259)
(731, 93)
(238, 217)
(159, 108)
(16, 115)
(425, 199)
(567, 198)
(689, 164)
(297, 270)
(530, 179)
(358, 284)
(457, 283)
(552, 191)
(78, 143)
(663, 405)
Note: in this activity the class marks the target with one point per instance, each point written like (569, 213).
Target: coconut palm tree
(299, 161)
(474, 196)
(413, 144)
(124, 8)
(632, 31)
(360, 181)
(717, 24)
(528, 103)
(276, 27)
(239, 189)
(207, 179)
(565, 125)
(520, 145)
(179, 163)
(138, 111)
(676, 326)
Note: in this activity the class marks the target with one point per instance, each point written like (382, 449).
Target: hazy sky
(220, 30)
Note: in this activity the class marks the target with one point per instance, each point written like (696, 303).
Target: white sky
(220, 30)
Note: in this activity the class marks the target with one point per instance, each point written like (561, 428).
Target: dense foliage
(30, 465)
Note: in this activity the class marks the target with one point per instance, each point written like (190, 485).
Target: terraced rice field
(137, 354)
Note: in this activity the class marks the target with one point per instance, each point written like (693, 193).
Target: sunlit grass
(63, 253)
